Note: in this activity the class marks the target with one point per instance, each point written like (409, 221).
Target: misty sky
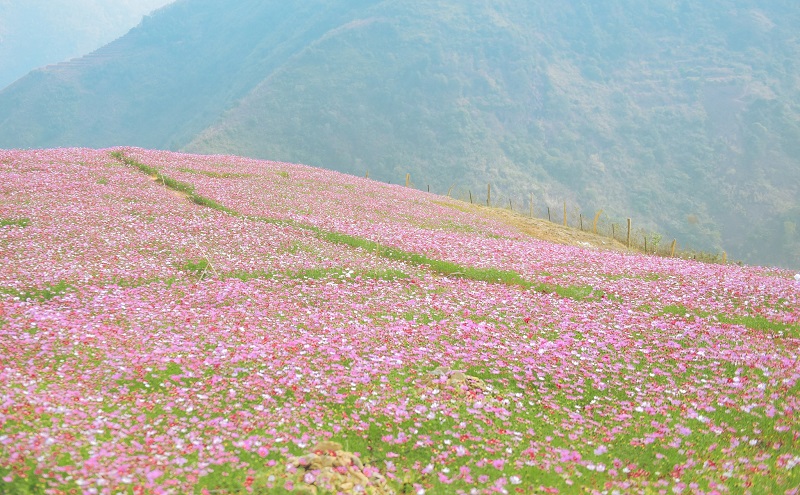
(34, 33)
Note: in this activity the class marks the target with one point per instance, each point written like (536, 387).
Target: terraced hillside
(175, 323)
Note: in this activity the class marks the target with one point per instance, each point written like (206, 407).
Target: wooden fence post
(672, 248)
(510, 206)
(488, 195)
(531, 205)
(629, 233)
(724, 258)
(581, 220)
(408, 179)
(367, 176)
(548, 215)
(596, 218)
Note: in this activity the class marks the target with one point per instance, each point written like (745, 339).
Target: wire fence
(623, 231)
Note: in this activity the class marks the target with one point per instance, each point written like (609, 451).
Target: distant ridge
(682, 116)
(103, 55)
(35, 33)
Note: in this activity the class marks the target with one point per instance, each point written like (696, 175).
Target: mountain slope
(680, 115)
(27, 30)
(164, 81)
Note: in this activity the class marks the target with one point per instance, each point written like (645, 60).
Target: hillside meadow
(682, 115)
(174, 323)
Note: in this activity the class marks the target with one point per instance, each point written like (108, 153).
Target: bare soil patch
(545, 230)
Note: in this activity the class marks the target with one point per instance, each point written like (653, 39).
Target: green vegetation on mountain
(681, 115)
(27, 30)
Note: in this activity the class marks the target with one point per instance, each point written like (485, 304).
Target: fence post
(629, 233)
(548, 215)
(408, 179)
(724, 258)
(596, 218)
(531, 205)
(565, 213)
(510, 206)
(488, 195)
(367, 176)
(672, 248)
(581, 220)
(429, 188)
(470, 197)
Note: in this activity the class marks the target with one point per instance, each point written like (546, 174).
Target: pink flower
(153, 475)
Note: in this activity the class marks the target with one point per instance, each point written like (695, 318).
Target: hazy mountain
(682, 115)
(34, 33)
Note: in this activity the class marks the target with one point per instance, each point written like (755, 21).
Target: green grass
(450, 269)
(16, 222)
(432, 316)
(440, 266)
(245, 276)
(320, 274)
(752, 322)
(233, 481)
(575, 292)
(199, 267)
(215, 175)
(31, 484)
(762, 324)
(675, 310)
(298, 247)
(174, 184)
(169, 182)
(342, 273)
(46, 293)
(154, 380)
(210, 203)
(374, 450)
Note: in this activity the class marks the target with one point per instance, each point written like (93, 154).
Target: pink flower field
(175, 323)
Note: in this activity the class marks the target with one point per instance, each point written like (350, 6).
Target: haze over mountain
(34, 33)
(681, 115)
